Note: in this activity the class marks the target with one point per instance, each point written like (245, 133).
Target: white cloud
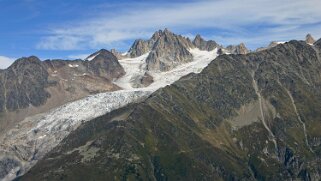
(286, 19)
(5, 62)
(61, 42)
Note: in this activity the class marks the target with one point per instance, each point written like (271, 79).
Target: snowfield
(136, 66)
(32, 138)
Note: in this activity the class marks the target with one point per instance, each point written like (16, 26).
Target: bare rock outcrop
(105, 64)
(309, 39)
(202, 44)
(238, 49)
(168, 51)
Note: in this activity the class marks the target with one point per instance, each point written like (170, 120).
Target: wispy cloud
(251, 21)
(5, 62)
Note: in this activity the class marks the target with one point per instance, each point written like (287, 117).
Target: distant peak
(242, 45)
(26, 60)
(308, 35)
(139, 41)
(198, 37)
(309, 39)
(159, 33)
(102, 52)
(238, 49)
(166, 30)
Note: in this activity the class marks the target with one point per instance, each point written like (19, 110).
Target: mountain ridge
(30, 86)
(190, 130)
(79, 78)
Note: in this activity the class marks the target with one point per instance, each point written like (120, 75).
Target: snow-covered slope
(29, 141)
(133, 67)
(136, 66)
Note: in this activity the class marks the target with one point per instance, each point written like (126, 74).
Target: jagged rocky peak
(271, 45)
(202, 44)
(168, 51)
(105, 64)
(102, 52)
(118, 54)
(309, 39)
(238, 49)
(140, 47)
(26, 61)
(167, 33)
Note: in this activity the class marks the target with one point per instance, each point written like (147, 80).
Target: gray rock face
(202, 44)
(271, 45)
(142, 81)
(105, 64)
(168, 51)
(309, 39)
(23, 84)
(238, 49)
(118, 55)
(140, 47)
(318, 44)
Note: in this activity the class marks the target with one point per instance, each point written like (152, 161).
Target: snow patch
(125, 53)
(133, 67)
(73, 66)
(90, 58)
(137, 67)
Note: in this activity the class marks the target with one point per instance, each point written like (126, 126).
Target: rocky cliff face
(141, 47)
(105, 64)
(237, 49)
(23, 84)
(119, 55)
(244, 117)
(202, 44)
(271, 45)
(168, 51)
(309, 39)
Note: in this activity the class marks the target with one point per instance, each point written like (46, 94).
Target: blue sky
(75, 28)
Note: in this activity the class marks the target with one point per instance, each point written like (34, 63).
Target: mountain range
(168, 109)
